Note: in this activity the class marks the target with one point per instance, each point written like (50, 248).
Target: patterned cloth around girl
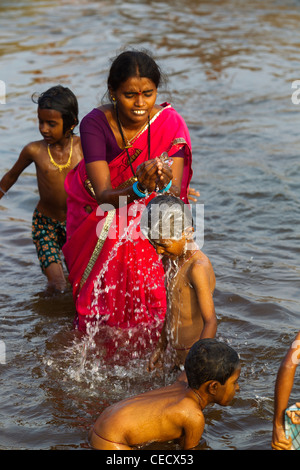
(49, 236)
(292, 430)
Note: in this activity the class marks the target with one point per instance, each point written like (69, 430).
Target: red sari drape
(116, 275)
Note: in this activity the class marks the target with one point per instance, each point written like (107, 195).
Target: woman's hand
(295, 415)
(153, 174)
(193, 194)
(164, 175)
(146, 174)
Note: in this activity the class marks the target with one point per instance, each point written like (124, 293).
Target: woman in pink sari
(116, 275)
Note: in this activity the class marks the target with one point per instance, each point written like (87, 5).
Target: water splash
(104, 349)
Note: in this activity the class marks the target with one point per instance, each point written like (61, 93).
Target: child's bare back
(159, 415)
(174, 412)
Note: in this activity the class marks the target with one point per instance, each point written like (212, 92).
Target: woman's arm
(150, 175)
(99, 175)
(177, 171)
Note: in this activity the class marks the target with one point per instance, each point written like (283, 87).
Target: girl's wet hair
(133, 63)
(165, 217)
(60, 99)
(209, 359)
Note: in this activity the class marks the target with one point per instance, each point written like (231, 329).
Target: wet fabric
(116, 274)
(292, 430)
(49, 236)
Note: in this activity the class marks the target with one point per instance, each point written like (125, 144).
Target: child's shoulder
(76, 140)
(201, 265)
(200, 259)
(191, 412)
(33, 149)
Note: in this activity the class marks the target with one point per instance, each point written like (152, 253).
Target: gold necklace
(66, 165)
(129, 144)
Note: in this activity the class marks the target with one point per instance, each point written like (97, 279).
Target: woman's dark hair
(209, 359)
(133, 63)
(60, 99)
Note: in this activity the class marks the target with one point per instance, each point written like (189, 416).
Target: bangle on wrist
(166, 188)
(138, 191)
(2, 191)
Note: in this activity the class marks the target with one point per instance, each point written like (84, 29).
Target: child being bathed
(190, 280)
(176, 411)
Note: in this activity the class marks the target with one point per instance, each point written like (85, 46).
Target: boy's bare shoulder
(202, 269)
(201, 261)
(191, 413)
(34, 149)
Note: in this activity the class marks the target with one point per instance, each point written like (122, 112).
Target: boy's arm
(193, 430)
(24, 160)
(283, 388)
(200, 282)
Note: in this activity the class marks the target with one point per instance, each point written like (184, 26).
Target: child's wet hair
(165, 217)
(60, 99)
(209, 359)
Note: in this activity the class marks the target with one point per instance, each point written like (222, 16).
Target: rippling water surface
(231, 65)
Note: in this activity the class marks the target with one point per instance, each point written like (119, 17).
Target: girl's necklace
(66, 165)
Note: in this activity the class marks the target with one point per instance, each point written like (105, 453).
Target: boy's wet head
(210, 360)
(165, 217)
(63, 100)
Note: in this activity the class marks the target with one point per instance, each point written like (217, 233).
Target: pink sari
(116, 274)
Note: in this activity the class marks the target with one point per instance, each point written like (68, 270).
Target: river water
(231, 65)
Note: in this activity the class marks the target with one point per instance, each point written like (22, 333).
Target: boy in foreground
(174, 412)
